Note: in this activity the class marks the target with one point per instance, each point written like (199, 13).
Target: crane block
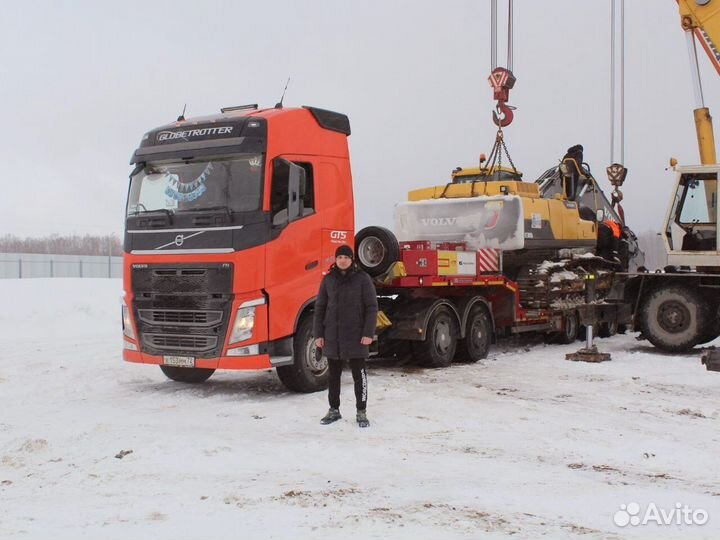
(501, 80)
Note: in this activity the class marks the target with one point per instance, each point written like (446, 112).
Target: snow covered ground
(522, 445)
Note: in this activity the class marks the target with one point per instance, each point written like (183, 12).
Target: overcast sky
(84, 80)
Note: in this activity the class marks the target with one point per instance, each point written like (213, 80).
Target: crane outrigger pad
(588, 355)
(711, 359)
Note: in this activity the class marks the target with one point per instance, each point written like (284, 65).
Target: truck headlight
(243, 325)
(127, 323)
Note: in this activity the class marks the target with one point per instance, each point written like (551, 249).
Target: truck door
(293, 269)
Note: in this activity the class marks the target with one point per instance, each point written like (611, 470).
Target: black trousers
(357, 365)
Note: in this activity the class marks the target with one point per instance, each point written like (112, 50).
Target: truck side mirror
(296, 191)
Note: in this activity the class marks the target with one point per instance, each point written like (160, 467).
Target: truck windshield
(232, 184)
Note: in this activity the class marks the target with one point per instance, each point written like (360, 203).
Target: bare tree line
(56, 244)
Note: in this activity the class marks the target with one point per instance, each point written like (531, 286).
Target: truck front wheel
(674, 319)
(309, 371)
(440, 343)
(187, 375)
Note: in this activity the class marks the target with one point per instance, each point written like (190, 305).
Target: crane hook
(503, 114)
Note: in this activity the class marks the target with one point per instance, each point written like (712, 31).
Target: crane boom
(703, 19)
(700, 19)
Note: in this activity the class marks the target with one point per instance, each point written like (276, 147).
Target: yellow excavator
(531, 222)
(490, 206)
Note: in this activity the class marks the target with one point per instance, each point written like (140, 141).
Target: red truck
(231, 221)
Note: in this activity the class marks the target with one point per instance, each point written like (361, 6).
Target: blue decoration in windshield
(187, 191)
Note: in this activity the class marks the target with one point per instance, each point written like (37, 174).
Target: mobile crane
(678, 308)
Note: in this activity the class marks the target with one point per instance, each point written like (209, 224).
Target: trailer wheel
(608, 329)
(309, 371)
(476, 343)
(440, 343)
(570, 331)
(187, 375)
(376, 248)
(674, 319)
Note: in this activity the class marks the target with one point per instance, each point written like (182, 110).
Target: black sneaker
(362, 419)
(333, 415)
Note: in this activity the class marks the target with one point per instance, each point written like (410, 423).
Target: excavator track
(560, 284)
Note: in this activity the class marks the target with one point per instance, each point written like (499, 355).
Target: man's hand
(320, 342)
(365, 341)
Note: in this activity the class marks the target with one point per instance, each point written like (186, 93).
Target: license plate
(179, 361)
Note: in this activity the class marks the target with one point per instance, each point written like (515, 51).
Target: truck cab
(231, 220)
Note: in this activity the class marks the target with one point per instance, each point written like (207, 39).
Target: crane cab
(691, 232)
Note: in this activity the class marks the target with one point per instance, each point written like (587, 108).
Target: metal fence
(39, 265)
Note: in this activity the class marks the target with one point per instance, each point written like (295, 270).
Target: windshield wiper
(165, 211)
(209, 215)
(227, 210)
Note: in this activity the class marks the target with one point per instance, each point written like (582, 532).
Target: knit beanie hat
(344, 250)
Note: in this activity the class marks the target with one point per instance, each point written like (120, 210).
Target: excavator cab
(691, 232)
(485, 174)
(576, 183)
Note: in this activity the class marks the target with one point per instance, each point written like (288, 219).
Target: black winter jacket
(345, 311)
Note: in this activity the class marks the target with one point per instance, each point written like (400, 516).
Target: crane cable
(613, 75)
(494, 161)
(494, 37)
(616, 171)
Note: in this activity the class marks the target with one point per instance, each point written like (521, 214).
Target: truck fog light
(127, 323)
(130, 346)
(243, 326)
(249, 350)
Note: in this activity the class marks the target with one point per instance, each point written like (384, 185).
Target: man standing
(345, 319)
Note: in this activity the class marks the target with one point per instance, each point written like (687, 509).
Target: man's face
(343, 262)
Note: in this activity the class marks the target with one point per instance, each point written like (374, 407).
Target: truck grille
(182, 309)
(174, 342)
(180, 317)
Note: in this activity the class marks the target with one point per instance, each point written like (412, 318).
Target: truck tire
(187, 375)
(570, 331)
(376, 248)
(674, 318)
(476, 343)
(440, 343)
(309, 371)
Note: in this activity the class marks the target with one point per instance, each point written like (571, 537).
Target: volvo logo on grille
(179, 240)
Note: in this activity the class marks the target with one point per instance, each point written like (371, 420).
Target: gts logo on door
(338, 236)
